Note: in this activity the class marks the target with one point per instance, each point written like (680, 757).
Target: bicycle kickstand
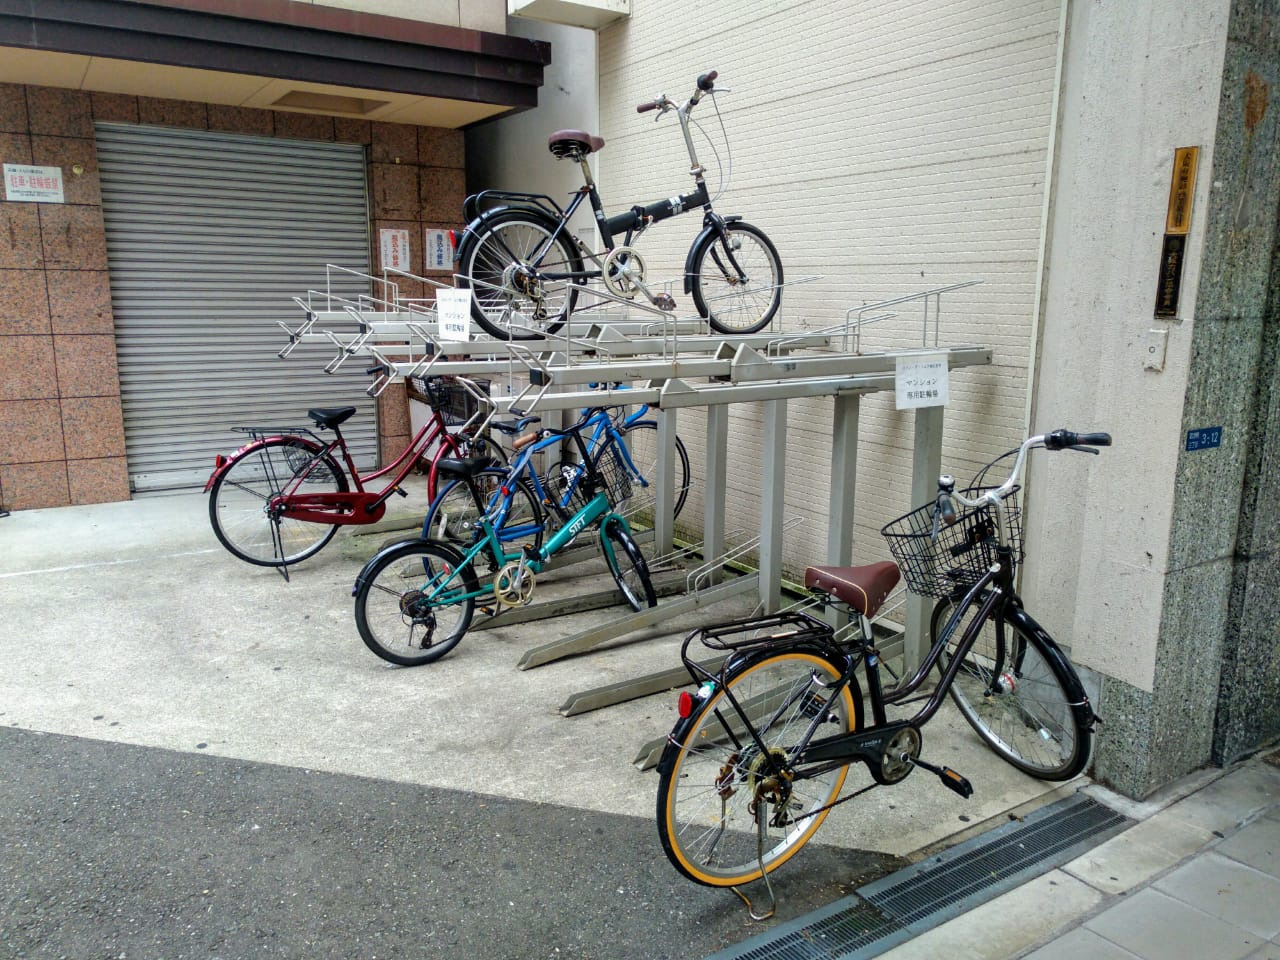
(762, 813)
(277, 544)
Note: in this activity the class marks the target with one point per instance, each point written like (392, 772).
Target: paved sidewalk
(1197, 878)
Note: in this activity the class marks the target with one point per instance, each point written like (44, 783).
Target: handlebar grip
(646, 107)
(1066, 439)
(707, 81)
(946, 509)
(379, 368)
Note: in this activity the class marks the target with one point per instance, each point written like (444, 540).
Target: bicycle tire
(627, 565)
(1018, 692)
(642, 446)
(393, 616)
(487, 261)
(452, 516)
(705, 780)
(239, 498)
(719, 293)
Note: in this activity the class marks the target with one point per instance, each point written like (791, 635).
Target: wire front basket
(614, 476)
(449, 398)
(936, 559)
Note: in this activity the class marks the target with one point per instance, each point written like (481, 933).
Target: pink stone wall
(61, 423)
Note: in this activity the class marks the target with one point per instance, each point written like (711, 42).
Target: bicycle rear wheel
(514, 297)
(454, 519)
(711, 768)
(628, 566)
(414, 602)
(240, 497)
(1018, 692)
(737, 284)
(642, 447)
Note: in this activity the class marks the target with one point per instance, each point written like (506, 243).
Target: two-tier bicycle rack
(671, 364)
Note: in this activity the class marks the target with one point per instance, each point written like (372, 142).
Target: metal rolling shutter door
(209, 238)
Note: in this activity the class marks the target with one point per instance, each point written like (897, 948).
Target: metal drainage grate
(905, 904)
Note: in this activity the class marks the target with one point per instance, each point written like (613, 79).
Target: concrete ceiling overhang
(272, 54)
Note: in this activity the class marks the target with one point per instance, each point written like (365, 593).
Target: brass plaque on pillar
(1176, 227)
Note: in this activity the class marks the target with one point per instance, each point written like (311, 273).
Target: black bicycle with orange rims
(762, 748)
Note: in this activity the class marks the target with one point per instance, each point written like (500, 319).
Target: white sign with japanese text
(439, 247)
(395, 249)
(33, 184)
(922, 380)
(453, 314)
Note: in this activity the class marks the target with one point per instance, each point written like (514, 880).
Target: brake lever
(1079, 449)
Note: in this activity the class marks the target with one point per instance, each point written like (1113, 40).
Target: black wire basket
(614, 476)
(937, 559)
(454, 402)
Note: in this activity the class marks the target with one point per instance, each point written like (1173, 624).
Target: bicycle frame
(353, 507)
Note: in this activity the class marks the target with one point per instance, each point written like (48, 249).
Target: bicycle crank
(513, 585)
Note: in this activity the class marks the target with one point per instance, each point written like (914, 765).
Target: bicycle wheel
(1017, 692)
(711, 768)
(641, 439)
(454, 519)
(240, 497)
(513, 298)
(627, 564)
(738, 293)
(414, 601)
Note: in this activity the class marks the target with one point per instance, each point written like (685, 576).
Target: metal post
(773, 504)
(926, 464)
(713, 484)
(664, 495)
(844, 468)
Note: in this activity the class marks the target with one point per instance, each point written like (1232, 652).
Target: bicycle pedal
(402, 491)
(664, 301)
(950, 779)
(954, 782)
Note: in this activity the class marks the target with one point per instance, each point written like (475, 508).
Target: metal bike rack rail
(712, 372)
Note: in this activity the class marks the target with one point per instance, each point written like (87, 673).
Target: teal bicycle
(415, 600)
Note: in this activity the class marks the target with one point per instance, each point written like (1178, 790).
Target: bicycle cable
(726, 169)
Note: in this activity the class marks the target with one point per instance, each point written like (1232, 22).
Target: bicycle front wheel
(1017, 691)
(737, 280)
(454, 519)
(712, 772)
(414, 602)
(520, 276)
(240, 499)
(642, 448)
(627, 565)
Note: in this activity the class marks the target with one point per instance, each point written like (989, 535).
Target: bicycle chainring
(894, 766)
(623, 272)
(513, 585)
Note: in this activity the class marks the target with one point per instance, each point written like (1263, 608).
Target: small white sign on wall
(922, 380)
(439, 247)
(395, 249)
(453, 313)
(28, 184)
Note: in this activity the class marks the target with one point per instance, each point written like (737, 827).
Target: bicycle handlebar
(1055, 440)
(705, 84)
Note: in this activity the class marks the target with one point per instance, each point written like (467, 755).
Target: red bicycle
(282, 496)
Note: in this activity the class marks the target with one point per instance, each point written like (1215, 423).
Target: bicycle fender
(1079, 699)
(708, 230)
(472, 229)
(455, 558)
(223, 464)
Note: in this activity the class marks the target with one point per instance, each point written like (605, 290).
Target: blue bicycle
(414, 600)
(622, 448)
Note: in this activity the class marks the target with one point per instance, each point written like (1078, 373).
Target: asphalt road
(118, 851)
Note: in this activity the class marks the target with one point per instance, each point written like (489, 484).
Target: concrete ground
(201, 759)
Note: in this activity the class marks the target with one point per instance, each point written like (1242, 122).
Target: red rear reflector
(218, 461)
(685, 705)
